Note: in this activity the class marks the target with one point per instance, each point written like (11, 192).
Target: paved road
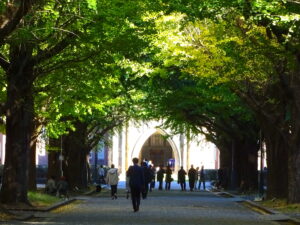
(161, 208)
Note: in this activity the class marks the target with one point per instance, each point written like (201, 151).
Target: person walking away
(196, 177)
(181, 178)
(147, 176)
(136, 183)
(112, 179)
(51, 186)
(160, 177)
(192, 174)
(101, 173)
(169, 178)
(202, 178)
(153, 172)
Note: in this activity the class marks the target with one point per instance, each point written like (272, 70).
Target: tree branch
(64, 63)
(59, 47)
(4, 63)
(14, 21)
(94, 141)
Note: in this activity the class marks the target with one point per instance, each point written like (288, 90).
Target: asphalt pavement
(161, 208)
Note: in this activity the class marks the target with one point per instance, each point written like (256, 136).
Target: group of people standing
(160, 178)
(195, 177)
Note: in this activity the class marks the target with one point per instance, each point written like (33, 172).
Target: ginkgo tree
(33, 32)
(268, 33)
(258, 61)
(39, 38)
(191, 105)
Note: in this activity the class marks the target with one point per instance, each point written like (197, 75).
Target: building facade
(149, 142)
(146, 141)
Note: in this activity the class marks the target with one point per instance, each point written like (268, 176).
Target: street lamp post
(233, 178)
(61, 158)
(261, 174)
(95, 166)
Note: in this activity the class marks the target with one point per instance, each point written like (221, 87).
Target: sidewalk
(161, 207)
(174, 185)
(253, 202)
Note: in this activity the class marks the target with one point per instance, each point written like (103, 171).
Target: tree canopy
(223, 68)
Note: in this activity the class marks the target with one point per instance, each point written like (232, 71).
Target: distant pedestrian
(181, 178)
(136, 183)
(153, 172)
(62, 187)
(148, 177)
(112, 179)
(220, 178)
(101, 173)
(192, 174)
(196, 177)
(160, 177)
(169, 178)
(51, 186)
(202, 178)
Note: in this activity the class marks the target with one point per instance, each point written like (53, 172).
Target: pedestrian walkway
(174, 185)
(161, 207)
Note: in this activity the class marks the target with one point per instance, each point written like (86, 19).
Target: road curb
(259, 208)
(46, 209)
(31, 216)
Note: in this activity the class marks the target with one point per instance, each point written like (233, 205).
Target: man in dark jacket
(181, 178)
(160, 177)
(136, 183)
(169, 178)
(148, 178)
(192, 175)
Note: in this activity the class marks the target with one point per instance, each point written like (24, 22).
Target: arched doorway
(144, 136)
(157, 149)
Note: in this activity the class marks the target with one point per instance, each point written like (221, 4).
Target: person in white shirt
(112, 179)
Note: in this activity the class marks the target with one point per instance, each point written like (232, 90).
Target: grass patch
(281, 205)
(5, 216)
(39, 199)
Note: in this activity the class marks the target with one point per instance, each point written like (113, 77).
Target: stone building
(149, 141)
(144, 141)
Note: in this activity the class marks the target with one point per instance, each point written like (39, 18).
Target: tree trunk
(19, 120)
(53, 159)
(246, 160)
(75, 153)
(294, 175)
(32, 160)
(225, 164)
(294, 147)
(32, 168)
(277, 161)
(294, 155)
